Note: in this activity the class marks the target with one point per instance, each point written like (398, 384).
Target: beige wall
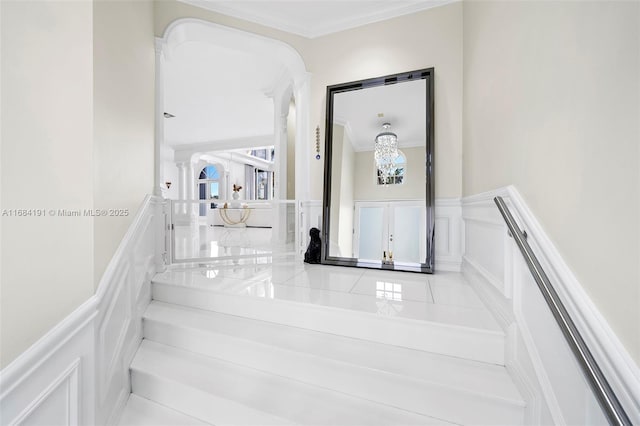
(551, 105)
(336, 186)
(291, 151)
(47, 158)
(347, 189)
(77, 92)
(432, 38)
(413, 187)
(123, 87)
(342, 190)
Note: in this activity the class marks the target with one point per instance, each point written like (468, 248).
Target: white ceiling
(216, 94)
(314, 18)
(403, 105)
(217, 87)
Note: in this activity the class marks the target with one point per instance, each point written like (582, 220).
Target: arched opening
(230, 94)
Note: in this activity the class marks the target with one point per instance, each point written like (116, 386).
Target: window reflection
(388, 290)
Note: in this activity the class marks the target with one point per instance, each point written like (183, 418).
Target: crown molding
(317, 29)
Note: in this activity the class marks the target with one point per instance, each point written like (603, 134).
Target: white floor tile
(396, 286)
(441, 297)
(326, 278)
(456, 294)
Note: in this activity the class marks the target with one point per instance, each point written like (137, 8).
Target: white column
(281, 111)
(304, 141)
(281, 146)
(181, 208)
(304, 157)
(192, 208)
(182, 181)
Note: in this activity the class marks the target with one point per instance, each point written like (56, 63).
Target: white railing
(207, 230)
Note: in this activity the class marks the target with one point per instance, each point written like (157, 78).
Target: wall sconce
(168, 184)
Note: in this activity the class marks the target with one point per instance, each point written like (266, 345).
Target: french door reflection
(390, 231)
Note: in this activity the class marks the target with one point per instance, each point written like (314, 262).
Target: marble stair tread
(443, 337)
(143, 412)
(222, 392)
(260, 284)
(470, 376)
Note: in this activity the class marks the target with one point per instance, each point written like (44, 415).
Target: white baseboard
(537, 354)
(78, 373)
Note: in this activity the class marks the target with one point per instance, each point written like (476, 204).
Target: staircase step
(417, 381)
(143, 412)
(449, 330)
(222, 392)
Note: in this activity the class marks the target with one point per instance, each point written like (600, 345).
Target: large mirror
(378, 180)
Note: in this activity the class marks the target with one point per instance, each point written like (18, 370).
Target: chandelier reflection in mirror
(386, 152)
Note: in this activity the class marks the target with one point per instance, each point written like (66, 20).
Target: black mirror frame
(424, 74)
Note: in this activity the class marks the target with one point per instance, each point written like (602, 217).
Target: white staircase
(247, 350)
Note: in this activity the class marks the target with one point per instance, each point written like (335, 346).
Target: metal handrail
(603, 392)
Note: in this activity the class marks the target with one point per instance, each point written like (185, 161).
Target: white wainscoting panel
(124, 292)
(537, 354)
(53, 381)
(448, 232)
(78, 373)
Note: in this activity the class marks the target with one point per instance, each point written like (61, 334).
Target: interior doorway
(389, 231)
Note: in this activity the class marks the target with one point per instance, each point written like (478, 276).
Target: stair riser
(381, 387)
(198, 404)
(471, 376)
(431, 337)
(221, 392)
(144, 412)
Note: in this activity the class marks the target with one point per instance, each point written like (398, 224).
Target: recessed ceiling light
(167, 115)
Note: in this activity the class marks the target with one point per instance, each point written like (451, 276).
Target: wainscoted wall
(310, 217)
(448, 234)
(78, 373)
(537, 355)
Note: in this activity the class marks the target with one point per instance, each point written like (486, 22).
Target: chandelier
(386, 152)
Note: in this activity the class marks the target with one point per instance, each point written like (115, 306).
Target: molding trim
(614, 360)
(483, 283)
(70, 375)
(317, 29)
(515, 310)
(448, 241)
(19, 370)
(86, 356)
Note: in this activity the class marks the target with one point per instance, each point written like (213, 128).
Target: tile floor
(441, 297)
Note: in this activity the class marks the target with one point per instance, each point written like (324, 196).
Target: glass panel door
(405, 233)
(371, 232)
